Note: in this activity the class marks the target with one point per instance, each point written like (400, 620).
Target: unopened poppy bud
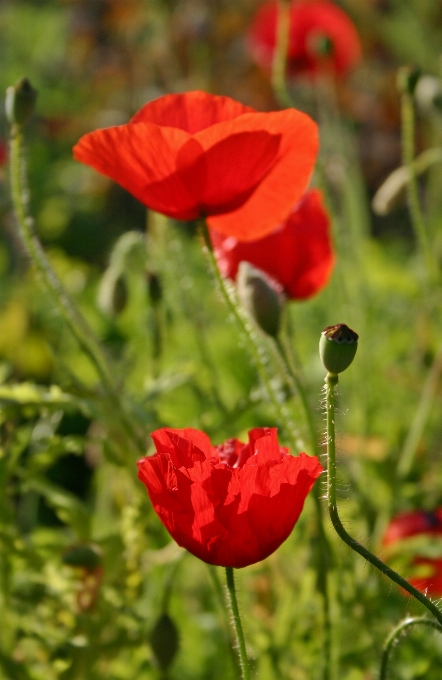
(164, 641)
(20, 102)
(407, 79)
(261, 296)
(86, 556)
(337, 347)
(155, 288)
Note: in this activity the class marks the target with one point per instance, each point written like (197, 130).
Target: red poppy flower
(321, 37)
(194, 154)
(298, 255)
(230, 505)
(412, 524)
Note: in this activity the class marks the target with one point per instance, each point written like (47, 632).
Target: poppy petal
(190, 111)
(284, 183)
(142, 158)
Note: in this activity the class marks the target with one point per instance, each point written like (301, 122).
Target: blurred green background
(67, 474)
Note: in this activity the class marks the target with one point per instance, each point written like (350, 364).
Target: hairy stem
(251, 342)
(64, 304)
(236, 621)
(393, 638)
(331, 381)
(324, 550)
(417, 218)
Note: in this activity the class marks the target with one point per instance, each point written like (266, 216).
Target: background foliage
(68, 473)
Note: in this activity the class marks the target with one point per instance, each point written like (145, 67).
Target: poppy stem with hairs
(405, 80)
(252, 344)
(324, 549)
(65, 306)
(397, 632)
(331, 380)
(236, 621)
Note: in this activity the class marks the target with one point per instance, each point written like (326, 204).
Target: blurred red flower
(4, 153)
(230, 505)
(195, 154)
(298, 254)
(321, 37)
(419, 523)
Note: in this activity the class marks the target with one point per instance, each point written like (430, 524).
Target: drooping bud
(164, 641)
(154, 288)
(20, 102)
(407, 79)
(87, 556)
(261, 296)
(337, 347)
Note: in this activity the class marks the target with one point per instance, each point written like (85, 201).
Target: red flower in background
(230, 505)
(321, 37)
(298, 254)
(419, 523)
(195, 154)
(3, 153)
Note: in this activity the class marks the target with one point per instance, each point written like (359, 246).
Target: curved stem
(394, 635)
(279, 64)
(331, 381)
(252, 342)
(417, 218)
(236, 621)
(67, 309)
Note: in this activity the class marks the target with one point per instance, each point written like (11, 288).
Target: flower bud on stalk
(20, 102)
(164, 641)
(337, 347)
(261, 296)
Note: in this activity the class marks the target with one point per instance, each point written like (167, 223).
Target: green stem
(324, 549)
(68, 311)
(236, 621)
(417, 218)
(228, 635)
(252, 342)
(421, 416)
(279, 64)
(396, 633)
(331, 381)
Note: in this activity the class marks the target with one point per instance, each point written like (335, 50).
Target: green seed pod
(87, 556)
(261, 297)
(20, 102)
(337, 347)
(164, 641)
